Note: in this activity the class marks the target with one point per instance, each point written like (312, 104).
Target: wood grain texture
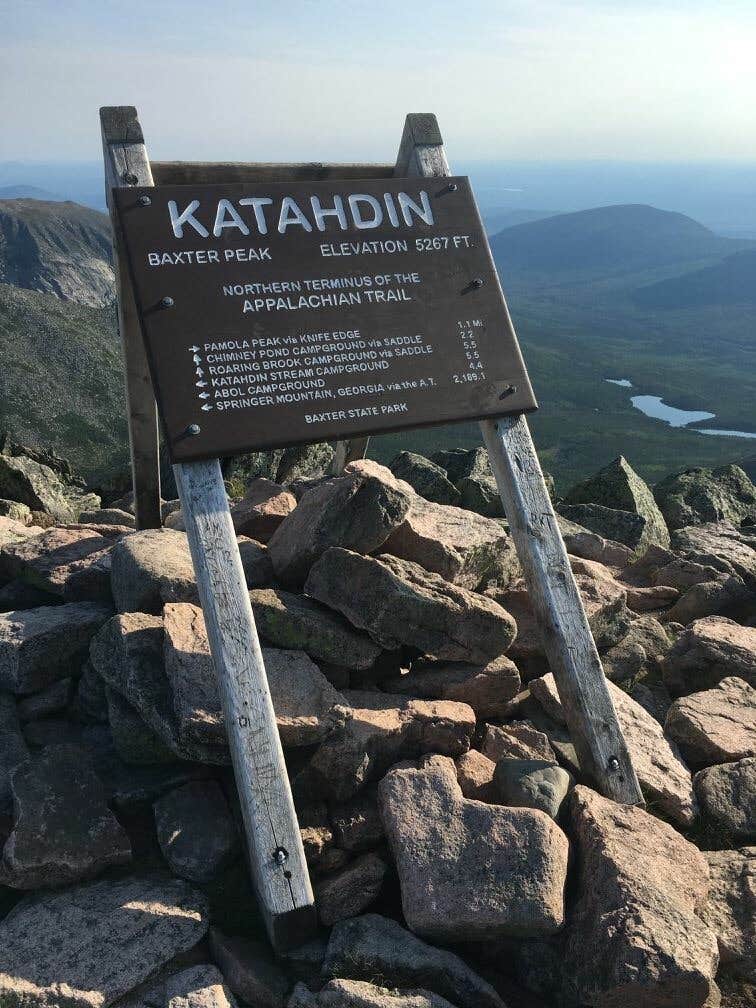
(126, 165)
(558, 608)
(210, 172)
(283, 889)
(567, 639)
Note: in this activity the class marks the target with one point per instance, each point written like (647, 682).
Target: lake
(657, 409)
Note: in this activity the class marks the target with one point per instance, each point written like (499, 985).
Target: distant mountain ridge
(607, 239)
(732, 281)
(61, 249)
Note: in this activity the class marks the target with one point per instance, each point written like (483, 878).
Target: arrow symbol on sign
(197, 359)
(199, 372)
(201, 384)
(207, 407)
(204, 395)
(194, 349)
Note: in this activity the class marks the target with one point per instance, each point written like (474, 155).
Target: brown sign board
(281, 314)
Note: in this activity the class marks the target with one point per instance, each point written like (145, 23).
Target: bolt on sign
(281, 314)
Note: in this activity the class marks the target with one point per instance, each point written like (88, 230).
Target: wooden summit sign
(279, 314)
(289, 303)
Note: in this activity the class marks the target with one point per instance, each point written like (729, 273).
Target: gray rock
(109, 516)
(133, 740)
(307, 707)
(12, 532)
(40, 646)
(357, 511)
(698, 496)
(304, 462)
(720, 545)
(708, 598)
(151, 568)
(13, 750)
(531, 784)
(640, 887)
(89, 704)
(63, 830)
(250, 970)
(48, 701)
(581, 542)
(302, 997)
(128, 654)
(716, 726)
(109, 937)
(361, 994)
(463, 547)
(357, 824)
(196, 831)
(16, 511)
(625, 527)
(35, 484)
(198, 987)
(258, 570)
(447, 848)
(72, 564)
(475, 773)
(290, 621)
(488, 689)
(262, 509)
(619, 487)
(708, 651)
(397, 602)
(380, 730)
(350, 891)
(727, 796)
(661, 771)
(519, 740)
(730, 910)
(380, 950)
(425, 477)
(471, 473)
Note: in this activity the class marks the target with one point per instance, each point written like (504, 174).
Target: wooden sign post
(288, 304)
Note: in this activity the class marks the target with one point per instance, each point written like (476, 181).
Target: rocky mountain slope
(61, 379)
(459, 855)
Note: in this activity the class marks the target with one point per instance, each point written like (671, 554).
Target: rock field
(459, 856)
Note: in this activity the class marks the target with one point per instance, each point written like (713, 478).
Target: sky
(639, 80)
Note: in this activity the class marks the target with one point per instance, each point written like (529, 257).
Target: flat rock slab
(357, 511)
(399, 603)
(196, 831)
(475, 774)
(463, 547)
(361, 994)
(110, 936)
(488, 689)
(662, 774)
(378, 949)
(470, 871)
(39, 646)
(63, 830)
(708, 651)
(730, 911)
(720, 545)
(307, 707)
(290, 621)
(715, 726)
(73, 564)
(727, 795)
(262, 509)
(516, 740)
(350, 891)
(640, 887)
(12, 532)
(380, 730)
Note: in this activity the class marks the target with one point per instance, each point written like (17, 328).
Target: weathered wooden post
(127, 164)
(558, 608)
